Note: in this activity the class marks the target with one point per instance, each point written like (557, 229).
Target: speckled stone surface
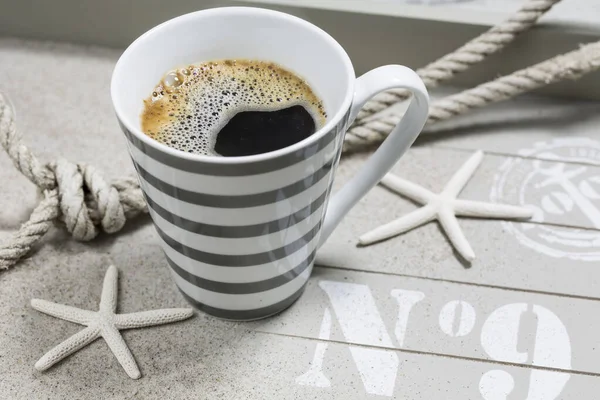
(402, 319)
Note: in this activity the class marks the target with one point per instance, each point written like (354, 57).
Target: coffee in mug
(240, 234)
(232, 108)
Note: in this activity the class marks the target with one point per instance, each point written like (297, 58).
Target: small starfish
(444, 207)
(105, 323)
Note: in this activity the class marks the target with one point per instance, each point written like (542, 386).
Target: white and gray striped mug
(240, 233)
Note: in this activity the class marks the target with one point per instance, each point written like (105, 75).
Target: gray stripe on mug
(242, 201)
(242, 260)
(246, 287)
(239, 231)
(217, 169)
(245, 315)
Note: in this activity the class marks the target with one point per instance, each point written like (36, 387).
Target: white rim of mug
(315, 137)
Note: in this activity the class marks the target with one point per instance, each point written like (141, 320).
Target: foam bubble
(190, 105)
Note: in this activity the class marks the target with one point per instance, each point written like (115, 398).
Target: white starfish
(444, 207)
(105, 323)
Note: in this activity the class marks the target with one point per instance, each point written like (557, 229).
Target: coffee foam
(189, 107)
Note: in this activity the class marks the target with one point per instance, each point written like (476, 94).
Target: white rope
(461, 59)
(571, 65)
(76, 194)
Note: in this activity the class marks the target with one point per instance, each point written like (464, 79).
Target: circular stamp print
(560, 182)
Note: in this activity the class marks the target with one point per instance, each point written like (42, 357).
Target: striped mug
(240, 233)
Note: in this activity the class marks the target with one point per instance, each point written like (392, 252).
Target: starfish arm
(479, 209)
(68, 313)
(455, 235)
(68, 347)
(462, 176)
(399, 226)
(117, 345)
(152, 317)
(407, 188)
(108, 300)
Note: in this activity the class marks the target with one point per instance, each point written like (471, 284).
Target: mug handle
(389, 152)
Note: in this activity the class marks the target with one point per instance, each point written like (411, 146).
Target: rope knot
(86, 201)
(77, 194)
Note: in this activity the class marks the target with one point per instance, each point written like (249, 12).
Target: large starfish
(105, 323)
(444, 207)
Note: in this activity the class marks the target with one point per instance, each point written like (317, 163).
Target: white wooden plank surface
(520, 319)
(446, 319)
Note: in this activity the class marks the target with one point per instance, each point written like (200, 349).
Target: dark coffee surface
(232, 108)
(257, 132)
